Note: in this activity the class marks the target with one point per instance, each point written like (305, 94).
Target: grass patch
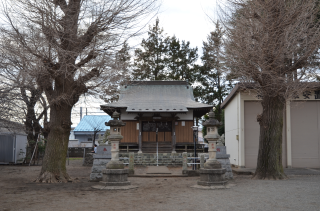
(75, 158)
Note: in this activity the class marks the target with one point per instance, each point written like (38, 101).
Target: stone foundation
(88, 159)
(150, 159)
(209, 177)
(99, 164)
(224, 159)
(225, 164)
(115, 177)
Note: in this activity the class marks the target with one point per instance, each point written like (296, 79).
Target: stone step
(152, 148)
(160, 150)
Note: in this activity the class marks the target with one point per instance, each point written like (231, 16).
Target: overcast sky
(187, 19)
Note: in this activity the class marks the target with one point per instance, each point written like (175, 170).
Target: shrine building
(157, 111)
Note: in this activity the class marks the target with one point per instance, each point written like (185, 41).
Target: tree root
(259, 176)
(48, 177)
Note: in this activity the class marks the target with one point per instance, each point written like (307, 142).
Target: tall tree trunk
(54, 162)
(269, 164)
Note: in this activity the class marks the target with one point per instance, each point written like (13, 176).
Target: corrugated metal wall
(6, 148)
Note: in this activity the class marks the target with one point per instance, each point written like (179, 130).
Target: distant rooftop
(90, 122)
(156, 96)
(9, 127)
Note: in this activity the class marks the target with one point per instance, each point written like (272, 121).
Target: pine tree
(214, 84)
(181, 60)
(149, 63)
(164, 58)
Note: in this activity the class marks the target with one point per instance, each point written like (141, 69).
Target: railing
(124, 158)
(194, 158)
(185, 163)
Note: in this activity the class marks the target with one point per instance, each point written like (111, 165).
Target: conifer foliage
(149, 63)
(214, 85)
(164, 58)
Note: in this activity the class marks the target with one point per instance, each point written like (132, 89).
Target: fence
(78, 151)
(194, 162)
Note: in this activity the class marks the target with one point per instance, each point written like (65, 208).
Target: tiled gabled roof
(157, 96)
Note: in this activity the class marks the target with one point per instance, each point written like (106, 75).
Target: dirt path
(17, 192)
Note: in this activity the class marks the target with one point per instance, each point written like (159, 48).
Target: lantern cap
(115, 121)
(211, 121)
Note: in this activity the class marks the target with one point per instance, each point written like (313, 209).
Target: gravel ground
(19, 193)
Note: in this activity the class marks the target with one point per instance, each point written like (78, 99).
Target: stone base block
(99, 165)
(204, 183)
(101, 162)
(213, 187)
(212, 164)
(115, 165)
(191, 173)
(95, 177)
(116, 183)
(131, 171)
(210, 177)
(88, 160)
(115, 176)
(97, 169)
(103, 187)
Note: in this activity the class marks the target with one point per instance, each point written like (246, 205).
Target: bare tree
(24, 101)
(270, 43)
(72, 42)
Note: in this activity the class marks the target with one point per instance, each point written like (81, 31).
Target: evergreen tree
(181, 60)
(149, 63)
(214, 84)
(164, 58)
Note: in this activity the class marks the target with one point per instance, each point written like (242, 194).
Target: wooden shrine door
(149, 131)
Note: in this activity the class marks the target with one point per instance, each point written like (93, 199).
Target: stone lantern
(212, 173)
(114, 138)
(115, 174)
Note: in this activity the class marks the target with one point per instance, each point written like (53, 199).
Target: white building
(301, 129)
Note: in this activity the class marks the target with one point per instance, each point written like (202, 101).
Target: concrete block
(97, 169)
(221, 150)
(100, 162)
(95, 177)
(104, 150)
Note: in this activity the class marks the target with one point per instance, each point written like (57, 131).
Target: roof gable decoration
(156, 96)
(93, 123)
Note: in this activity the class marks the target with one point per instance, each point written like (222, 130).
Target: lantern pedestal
(115, 174)
(212, 173)
(115, 177)
(210, 177)
(115, 163)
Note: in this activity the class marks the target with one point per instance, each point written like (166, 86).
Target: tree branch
(92, 55)
(62, 4)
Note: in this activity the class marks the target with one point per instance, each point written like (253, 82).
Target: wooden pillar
(173, 135)
(140, 136)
